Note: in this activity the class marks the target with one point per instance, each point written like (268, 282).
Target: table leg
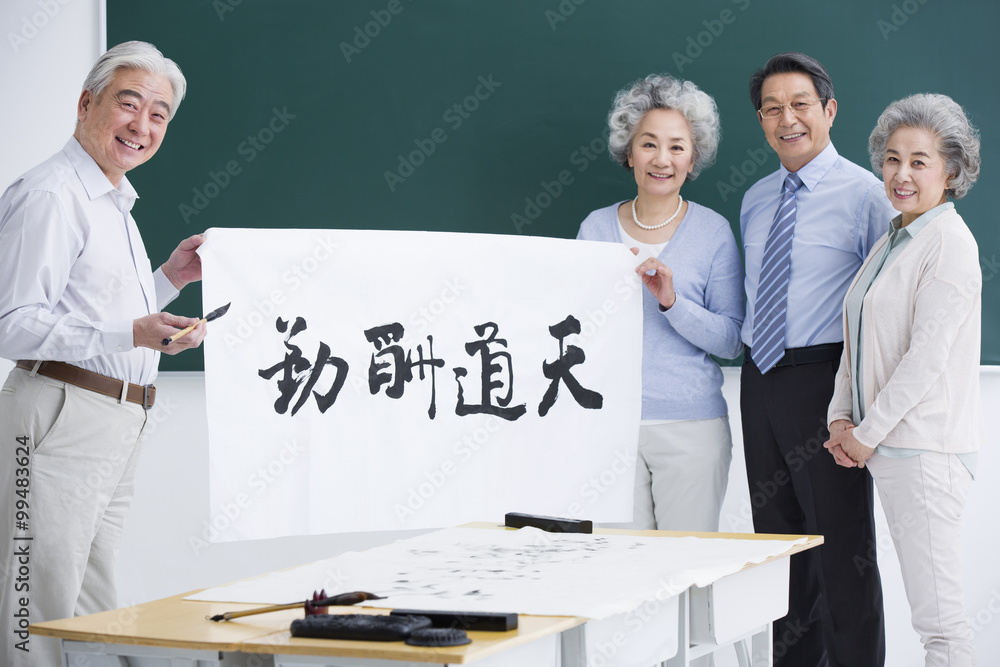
(683, 656)
(573, 647)
(763, 655)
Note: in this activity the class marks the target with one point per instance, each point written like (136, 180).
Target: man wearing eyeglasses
(806, 228)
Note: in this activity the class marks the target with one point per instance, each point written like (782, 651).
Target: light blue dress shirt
(842, 211)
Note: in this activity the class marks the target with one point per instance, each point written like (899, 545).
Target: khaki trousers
(67, 468)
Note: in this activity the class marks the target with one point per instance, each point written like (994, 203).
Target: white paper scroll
(525, 571)
(372, 380)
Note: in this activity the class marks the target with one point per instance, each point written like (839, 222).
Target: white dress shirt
(73, 270)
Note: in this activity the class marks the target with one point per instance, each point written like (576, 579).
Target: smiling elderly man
(80, 312)
(806, 229)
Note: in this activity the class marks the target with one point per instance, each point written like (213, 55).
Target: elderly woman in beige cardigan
(907, 401)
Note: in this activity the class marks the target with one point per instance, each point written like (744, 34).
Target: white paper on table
(526, 571)
(368, 461)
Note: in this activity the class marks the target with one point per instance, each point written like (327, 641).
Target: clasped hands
(845, 448)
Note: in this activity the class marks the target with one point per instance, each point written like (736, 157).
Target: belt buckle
(145, 396)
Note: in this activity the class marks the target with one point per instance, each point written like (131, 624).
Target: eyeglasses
(797, 107)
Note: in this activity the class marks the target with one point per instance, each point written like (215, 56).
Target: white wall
(46, 50)
(164, 550)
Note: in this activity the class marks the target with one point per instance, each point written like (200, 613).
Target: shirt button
(119, 348)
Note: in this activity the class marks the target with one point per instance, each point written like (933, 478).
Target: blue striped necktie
(772, 288)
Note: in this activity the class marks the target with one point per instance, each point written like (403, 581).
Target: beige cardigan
(921, 337)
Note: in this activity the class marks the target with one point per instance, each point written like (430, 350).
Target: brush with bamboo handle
(214, 315)
(316, 605)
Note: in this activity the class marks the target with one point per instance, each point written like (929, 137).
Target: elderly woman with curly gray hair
(907, 400)
(666, 131)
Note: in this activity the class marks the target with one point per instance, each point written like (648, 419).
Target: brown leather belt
(57, 370)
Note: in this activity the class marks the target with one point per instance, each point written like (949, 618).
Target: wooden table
(175, 632)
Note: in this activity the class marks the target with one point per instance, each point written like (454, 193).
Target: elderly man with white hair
(80, 313)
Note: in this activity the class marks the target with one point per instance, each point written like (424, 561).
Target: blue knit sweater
(679, 379)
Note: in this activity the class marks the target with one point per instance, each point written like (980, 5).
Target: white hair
(138, 56)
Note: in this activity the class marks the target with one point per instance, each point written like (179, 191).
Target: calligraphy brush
(316, 605)
(214, 315)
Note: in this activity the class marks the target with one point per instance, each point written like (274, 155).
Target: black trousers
(835, 615)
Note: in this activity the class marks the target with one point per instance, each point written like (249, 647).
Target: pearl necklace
(680, 202)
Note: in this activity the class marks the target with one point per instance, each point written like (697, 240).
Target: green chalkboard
(480, 116)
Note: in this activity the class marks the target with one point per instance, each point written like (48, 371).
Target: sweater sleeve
(947, 295)
(842, 403)
(715, 327)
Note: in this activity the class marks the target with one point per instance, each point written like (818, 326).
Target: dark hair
(783, 63)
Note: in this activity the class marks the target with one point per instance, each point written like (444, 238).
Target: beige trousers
(67, 467)
(923, 497)
(681, 475)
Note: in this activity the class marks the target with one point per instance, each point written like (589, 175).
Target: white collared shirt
(73, 270)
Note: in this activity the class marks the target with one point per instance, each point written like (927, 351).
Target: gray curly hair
(661, 91)
(958, 140)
